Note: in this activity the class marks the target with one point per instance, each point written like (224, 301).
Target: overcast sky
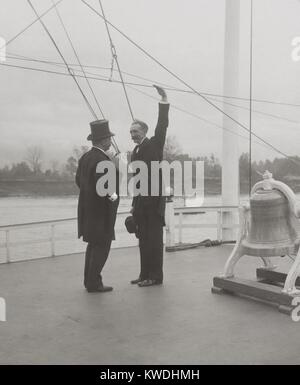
(186, 36)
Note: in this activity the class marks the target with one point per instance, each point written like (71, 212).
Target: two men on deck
(97, 214)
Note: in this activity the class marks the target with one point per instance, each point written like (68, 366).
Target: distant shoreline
(56, 188)
(23, 188)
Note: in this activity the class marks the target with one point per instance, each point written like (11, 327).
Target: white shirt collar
(142, 140)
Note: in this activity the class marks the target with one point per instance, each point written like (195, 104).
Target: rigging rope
(168, 87)
(115, 58)
(123, 83)
(78, 60)
(250, 96)
(61, 55)
(71, 73)
(187, 85)
(188, 113)
(33, 22)
(130, 86)
(256, 111)
(96, 77)
(198, 117)
(112, 68)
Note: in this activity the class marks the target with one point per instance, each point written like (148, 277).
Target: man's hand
(161, 92)
(113, 197)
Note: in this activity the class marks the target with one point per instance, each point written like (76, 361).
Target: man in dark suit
(96, 213)
(148, 211)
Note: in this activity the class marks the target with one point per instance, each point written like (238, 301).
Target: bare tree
(71, 166)
(34, 155)
(55, 166)
(72, 161)
(172, 148)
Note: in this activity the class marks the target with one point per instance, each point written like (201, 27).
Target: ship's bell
(273, 229)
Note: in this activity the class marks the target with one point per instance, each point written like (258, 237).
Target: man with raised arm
(148, 211)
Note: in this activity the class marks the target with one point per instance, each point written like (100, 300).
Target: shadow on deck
(51, 319)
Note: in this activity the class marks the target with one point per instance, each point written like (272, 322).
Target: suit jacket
(96, 214)
(152, 150)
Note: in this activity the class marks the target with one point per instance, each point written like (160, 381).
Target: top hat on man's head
(99, 130)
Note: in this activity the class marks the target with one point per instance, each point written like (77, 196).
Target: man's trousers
(95, 258)
(150, 234)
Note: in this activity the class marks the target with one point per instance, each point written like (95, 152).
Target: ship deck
(51, 319)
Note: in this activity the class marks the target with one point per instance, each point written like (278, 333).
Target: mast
(230, 156)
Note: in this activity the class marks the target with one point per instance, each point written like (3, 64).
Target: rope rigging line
(115, 58)
(97, 77)
(188, 86)
(256, 111)
(78, 60)
(26, 58)
(199, 117)
(52, 72)
(112, 69)
(33, 22)
(130, 86)
(60, 64)
(66, 64)
(167, 86)
(250, 96)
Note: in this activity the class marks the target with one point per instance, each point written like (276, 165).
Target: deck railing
(52, 238)
(172, 213)
(171, 224)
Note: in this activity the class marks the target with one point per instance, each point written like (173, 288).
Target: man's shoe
(135, 281)
(149, 282)
(100, 289)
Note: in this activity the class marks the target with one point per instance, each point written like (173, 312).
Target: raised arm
(162, 93)
(163, 119)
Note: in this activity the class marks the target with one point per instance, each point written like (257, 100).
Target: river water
(15, 210)
(18, 210)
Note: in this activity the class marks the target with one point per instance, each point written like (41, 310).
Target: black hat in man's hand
(131, 225)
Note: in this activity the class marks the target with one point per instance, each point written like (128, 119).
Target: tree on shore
(72, 162)
(31, 168)
(172, 148)
(34, 155)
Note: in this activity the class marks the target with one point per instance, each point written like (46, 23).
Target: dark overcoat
(96, 214)
(151, 149)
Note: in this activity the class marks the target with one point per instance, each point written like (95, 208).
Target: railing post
(7, 246)
(170, 223)
(219, 224)
(52, 240)
(180, 228)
